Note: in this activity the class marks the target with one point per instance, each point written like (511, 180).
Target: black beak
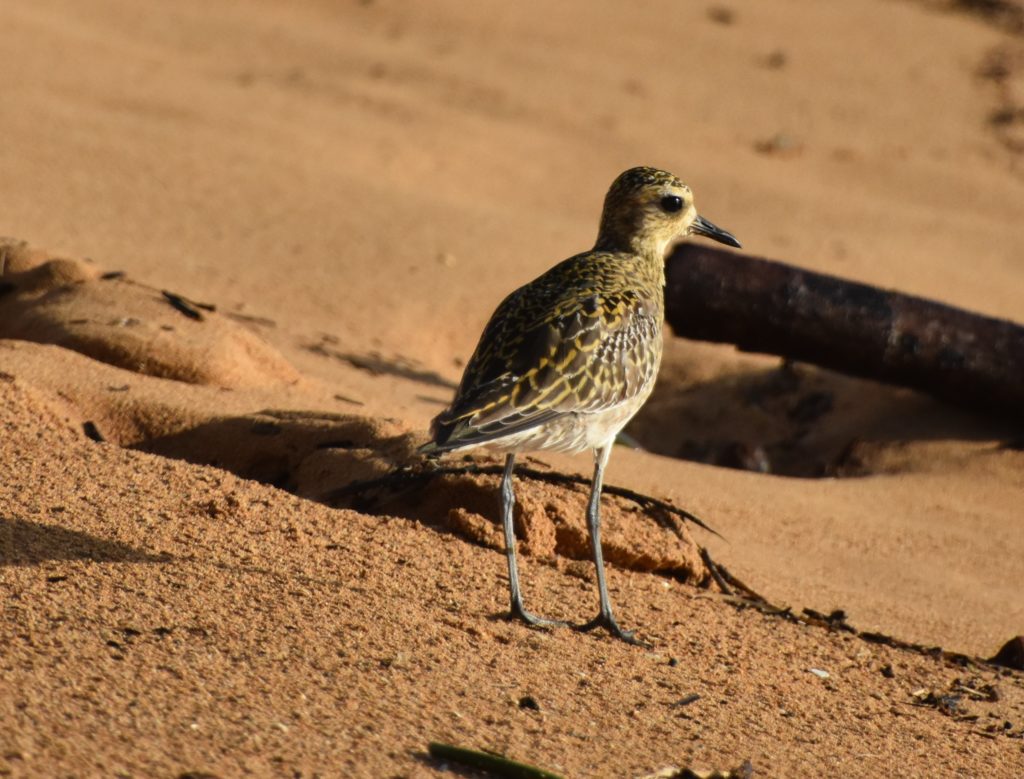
(702, 226)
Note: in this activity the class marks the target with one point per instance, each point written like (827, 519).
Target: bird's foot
(608, 622)
(517, 611)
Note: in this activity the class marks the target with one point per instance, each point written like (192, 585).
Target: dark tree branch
(663, 512)
(764, 306)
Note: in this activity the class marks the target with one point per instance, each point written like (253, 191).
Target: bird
(566, 360)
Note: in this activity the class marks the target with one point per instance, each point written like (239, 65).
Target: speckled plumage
(560, 355)
(566, 360)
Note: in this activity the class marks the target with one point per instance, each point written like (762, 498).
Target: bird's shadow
(298, 451)
(23, 542)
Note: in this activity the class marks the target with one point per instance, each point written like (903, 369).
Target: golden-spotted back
(567, 359)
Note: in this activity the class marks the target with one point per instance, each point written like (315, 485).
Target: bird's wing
(538, 359)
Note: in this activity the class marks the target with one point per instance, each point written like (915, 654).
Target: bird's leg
(604, 618)
(508, 500)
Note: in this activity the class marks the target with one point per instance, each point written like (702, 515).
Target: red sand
(353, 188)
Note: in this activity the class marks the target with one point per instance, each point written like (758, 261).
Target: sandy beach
(250, 246)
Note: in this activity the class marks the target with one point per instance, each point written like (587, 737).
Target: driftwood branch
(764, 306)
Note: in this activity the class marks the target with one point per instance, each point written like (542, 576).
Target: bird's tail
(429, 448)
(440, 433)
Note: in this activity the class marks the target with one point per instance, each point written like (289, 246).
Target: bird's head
(646, 208)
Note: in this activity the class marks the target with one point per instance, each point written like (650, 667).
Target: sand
(336, 196)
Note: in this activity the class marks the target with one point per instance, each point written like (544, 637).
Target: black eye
(671, 203)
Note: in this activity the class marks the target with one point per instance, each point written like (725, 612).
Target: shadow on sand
(28, 543)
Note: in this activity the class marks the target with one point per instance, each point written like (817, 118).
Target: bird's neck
(624, 232)
(651, 269)
(647, 253)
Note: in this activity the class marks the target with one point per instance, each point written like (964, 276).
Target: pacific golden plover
(569, 358)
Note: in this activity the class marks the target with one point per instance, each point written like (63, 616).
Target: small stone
(529, 702)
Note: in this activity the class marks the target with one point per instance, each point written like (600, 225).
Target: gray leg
(508, 500)
(604, 618)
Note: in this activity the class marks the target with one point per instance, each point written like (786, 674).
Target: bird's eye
(671, 203)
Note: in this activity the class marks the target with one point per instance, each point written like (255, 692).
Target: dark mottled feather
(576, 340)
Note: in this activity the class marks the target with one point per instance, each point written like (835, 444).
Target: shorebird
(566, 360)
